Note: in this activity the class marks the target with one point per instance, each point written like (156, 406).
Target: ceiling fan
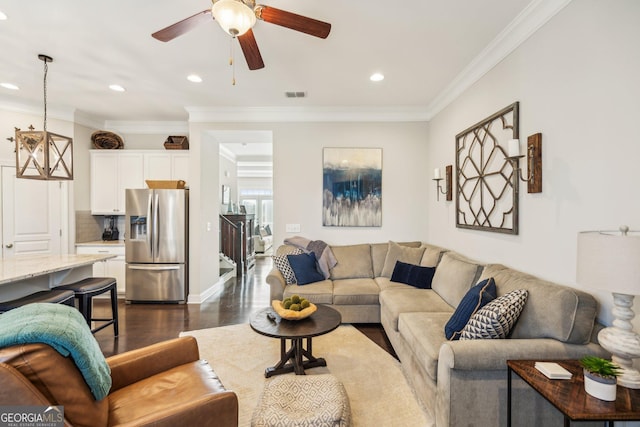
(237, 18)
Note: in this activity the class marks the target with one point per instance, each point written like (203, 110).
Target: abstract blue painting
(352, 187)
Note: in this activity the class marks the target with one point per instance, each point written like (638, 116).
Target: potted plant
(600, 377)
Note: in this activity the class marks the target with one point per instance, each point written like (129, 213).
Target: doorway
(246, 172)
(32, 215)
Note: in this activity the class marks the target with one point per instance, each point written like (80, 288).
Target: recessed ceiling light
(9, 86)
(194, 78)
(117, 88)
(376, 77)
(2, 16)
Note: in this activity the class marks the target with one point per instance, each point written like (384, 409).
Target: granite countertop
(102, 243)
(25, 267)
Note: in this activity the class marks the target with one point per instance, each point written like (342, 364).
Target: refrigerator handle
(150, 225)
(153, 267)
(156, 226)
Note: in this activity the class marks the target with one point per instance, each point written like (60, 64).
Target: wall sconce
(437, 177)
(534, 162)
(42, 154)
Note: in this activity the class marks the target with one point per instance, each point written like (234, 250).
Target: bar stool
(86, 289)
(52, 296)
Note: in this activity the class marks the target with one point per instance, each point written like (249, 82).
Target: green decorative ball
(287, 304)
(295, 307)
(295, 299)
(304, 303)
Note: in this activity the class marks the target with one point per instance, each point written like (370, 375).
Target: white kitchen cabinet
(180, 166)
(111, 173)
(113, 267)
(166, 165)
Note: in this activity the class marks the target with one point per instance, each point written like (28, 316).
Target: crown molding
(147, 127)
(534, 16)
(227, 154)
(311, 114)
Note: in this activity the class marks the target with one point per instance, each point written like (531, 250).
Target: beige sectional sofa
(463, 382)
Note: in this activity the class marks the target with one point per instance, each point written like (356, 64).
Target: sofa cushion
(386, 283)
(424, 334)
(414, 275)
(397, 253)
(316, 292)
(305, 268)
(379, 254)
(354, 261)
(355, 292)
(454, 277)
(552, 311)
(496, 319)
(432, 255)
(393, 302)
(477, 297)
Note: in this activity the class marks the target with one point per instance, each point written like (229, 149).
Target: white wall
(81, 165)
(228, 175)
(297, 179)
(577, 83)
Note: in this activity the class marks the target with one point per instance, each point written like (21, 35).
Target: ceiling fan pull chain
(232, 62)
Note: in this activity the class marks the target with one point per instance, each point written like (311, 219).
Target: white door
(31, 215)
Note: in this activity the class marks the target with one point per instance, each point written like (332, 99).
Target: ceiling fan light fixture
(235, 17)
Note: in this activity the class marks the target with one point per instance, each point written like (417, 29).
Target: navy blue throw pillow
(413, 275)
(305, 268)
(475, 298)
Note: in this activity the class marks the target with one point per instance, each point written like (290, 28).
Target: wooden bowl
(291, 314)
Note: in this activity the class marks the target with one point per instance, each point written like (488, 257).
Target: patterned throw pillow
(496, 319)
(282, 263)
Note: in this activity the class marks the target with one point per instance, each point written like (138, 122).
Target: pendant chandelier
(41, 154)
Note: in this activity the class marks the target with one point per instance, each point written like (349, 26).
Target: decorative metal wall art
(352, 187)
(486, 193)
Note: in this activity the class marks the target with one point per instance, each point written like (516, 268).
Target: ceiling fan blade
(250, 50)
(181, 27)
(293, 21)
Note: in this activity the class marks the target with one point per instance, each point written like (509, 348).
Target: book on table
(553, 370)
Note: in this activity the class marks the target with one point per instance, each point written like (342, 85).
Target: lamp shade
(610, 261)
(235, 17)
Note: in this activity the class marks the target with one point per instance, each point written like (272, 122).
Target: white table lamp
(611, 261)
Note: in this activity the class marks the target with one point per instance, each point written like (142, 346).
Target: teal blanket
(63, 328)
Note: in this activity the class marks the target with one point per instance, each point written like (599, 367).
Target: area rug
(379, 394)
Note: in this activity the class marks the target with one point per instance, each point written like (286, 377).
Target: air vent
(292, 94)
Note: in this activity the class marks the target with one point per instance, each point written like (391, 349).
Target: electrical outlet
(292, 228)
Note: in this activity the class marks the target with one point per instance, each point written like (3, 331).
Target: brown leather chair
(164, 384)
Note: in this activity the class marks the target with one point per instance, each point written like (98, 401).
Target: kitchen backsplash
(89, 227)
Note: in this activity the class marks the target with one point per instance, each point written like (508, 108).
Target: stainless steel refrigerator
(156, 245)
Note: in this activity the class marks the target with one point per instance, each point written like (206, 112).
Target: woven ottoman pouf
(304, 401)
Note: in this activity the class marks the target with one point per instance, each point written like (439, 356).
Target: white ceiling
(420, 46)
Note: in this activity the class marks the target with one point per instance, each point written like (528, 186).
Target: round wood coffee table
(297, 358)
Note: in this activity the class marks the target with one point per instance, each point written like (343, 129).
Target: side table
(569, 397)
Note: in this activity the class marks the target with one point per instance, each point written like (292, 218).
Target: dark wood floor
(144, 324)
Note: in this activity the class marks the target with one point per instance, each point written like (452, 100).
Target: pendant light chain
(46, 69)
